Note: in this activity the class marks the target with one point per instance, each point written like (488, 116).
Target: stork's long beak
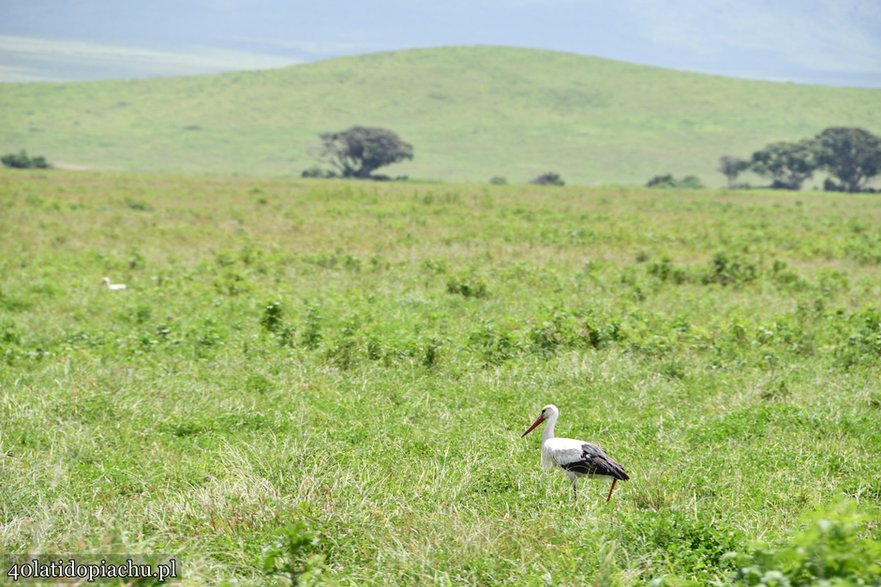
(538, 421)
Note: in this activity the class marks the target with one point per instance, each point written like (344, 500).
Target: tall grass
(303, 382)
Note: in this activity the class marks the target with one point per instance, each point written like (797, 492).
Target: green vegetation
(326, 380)
(549, 178)
(359, 151)
(731, 166)
(788, 165)
(829, 551)
(22, 160)
(472, 113)
(852, 156)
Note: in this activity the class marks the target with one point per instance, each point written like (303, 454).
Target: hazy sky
(820, 41)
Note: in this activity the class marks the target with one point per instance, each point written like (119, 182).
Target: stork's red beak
(538, 421)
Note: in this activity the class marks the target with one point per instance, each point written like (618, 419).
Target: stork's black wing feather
(594, 461)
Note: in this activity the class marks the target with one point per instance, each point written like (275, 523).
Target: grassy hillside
(363, 358)
(471, 113)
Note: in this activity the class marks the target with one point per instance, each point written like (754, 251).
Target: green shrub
(729, 270)
(469, 286)
(343, 349)
(273, 314)
(549, 178)
(293, 554)
(863, 338)
(664, 270)
(830, 550)
(786, 278)
(22, 160)
(431, 352)
(493, 344)
(550, 332)
(689, 182)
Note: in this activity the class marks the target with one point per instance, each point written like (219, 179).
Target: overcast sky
(836, 42)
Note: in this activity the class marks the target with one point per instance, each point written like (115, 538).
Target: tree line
(851, 156)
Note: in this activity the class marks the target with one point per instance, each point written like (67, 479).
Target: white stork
(575, 457)
(113, 286)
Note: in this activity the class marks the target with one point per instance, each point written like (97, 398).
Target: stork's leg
(611, 489)
(574, 488)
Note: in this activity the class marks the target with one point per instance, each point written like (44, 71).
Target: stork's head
(105, 281)
(547, 412)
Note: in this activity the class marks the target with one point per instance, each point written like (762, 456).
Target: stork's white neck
(548, 432)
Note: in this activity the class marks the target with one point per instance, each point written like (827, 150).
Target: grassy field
(471, 112)
(355, 363)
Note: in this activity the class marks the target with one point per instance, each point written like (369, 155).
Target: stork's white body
(565, 452)
(576, 458)
(113, 286)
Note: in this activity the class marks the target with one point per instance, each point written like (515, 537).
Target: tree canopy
(787, 164)
(852, 155)
(360, 150)
(731, 166)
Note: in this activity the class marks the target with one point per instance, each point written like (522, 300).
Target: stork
(576, 458)
(113, 286)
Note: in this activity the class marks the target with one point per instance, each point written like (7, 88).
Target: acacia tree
(731, 166)
(787, 164)
(853, 155)
(360, 150)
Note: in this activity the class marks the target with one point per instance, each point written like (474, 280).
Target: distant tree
(731, 166)
(359, 150)
(549, 178)
(22, 160)
(498, 180)
(852, 155)
(689, 182)
(788, 165)
(661, 181)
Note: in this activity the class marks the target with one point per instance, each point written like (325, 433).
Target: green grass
(362, 358)
(472, 113)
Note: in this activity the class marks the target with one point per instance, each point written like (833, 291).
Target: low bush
(22, 160)
(830, 550)
(549, 178)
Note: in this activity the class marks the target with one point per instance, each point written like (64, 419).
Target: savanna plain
(326, 382)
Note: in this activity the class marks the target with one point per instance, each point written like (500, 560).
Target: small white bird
(113, 286)
(575, 457)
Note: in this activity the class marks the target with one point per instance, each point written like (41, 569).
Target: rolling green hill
(471, 113)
